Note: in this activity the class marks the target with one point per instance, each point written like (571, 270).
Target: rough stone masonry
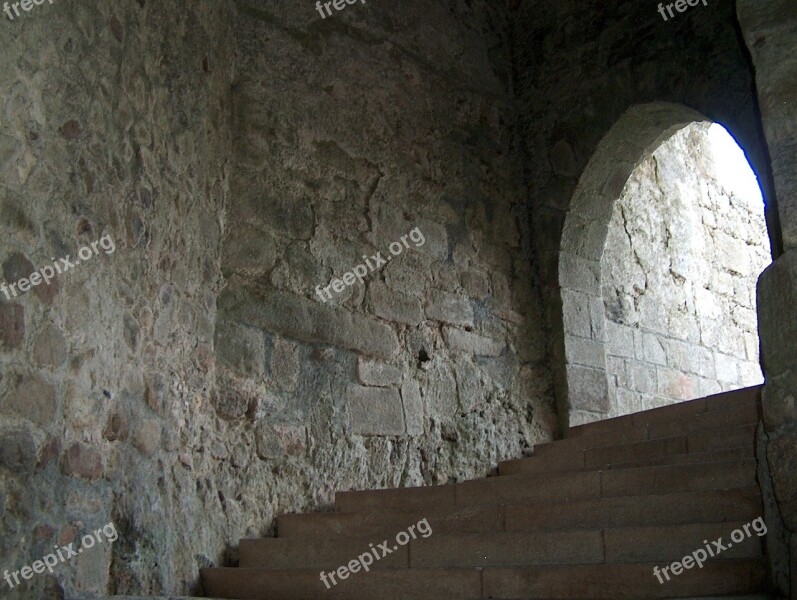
(239, 152)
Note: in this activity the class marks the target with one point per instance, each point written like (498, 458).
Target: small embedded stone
(12, 325)
(49, 348)
(70, 130)
(32, 398)
(17, 450)
(147, 437)
(82, 461)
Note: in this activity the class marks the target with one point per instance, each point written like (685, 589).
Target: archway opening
(672, 285)
(686, 243)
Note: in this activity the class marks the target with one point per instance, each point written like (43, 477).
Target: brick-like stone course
(375, 411)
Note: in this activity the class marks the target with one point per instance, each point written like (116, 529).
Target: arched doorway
(657, 270)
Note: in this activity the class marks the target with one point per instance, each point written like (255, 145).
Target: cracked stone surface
(683, 254)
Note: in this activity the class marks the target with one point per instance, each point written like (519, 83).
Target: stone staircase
(586, 517)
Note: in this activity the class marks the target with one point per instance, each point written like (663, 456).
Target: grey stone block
(241, 349)
(654, 349)
(576, 313)
(436, 239)
(449, 308)
(589, 353)
(17, 449)
(459, 340)
(579, 274)
(620, 340)
(375, 373)
(375, 411)
(727, 368)
(248, 250)
(587, 389)
(643, 377)
(675, 384)
(413, 407)
(392, 305)
(299, 318)
(440, 391)
(475, 283)
(750, 374)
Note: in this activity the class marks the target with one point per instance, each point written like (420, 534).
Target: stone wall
(262, 149)
(115, 120)
(683, 254)
(770, 31)
(351, 132)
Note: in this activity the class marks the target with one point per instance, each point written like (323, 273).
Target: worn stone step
(732, 416)
(635, 511)
(504, 549)
(317, 553)
(533, 489)
(672, 542)
(582, 485)
(564, 582)
(622, 582)
(609, 455)
(708, 434)
(567, 458)
(519, 466)
(720, 439)
(636, 432)
(557, 487)
(598, 513)
(437, 550)
(679, 478)
(719, 403)
(470, 519)
(306, 584)
(741, 452)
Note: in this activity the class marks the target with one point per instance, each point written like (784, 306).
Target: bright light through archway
(733, 169)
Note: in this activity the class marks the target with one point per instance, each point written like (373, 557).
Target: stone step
(679, 478)
(306, 584)
(637, 511)
(622, 545)
(435, 551)
(672, 542)
(718, 403)
(740, 438)
(522, 465)
(742, 414)
(566, 582)
(582, 485)
(632, 511)
(314, 553)
(470, 519)
(623, 582)
(734, 416)
(697, 457)
(539, 488)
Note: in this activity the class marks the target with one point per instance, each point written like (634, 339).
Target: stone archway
(583, 382)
